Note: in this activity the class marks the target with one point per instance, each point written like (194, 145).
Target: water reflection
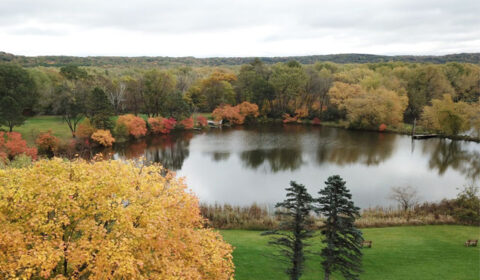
(244, 165)
(445, 154)
(342, 147)
(279, 159)
(168, 150)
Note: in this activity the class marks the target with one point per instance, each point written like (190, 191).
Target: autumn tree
(368, 108)
(341, 238)
(131, 125)
(217, 89)
(295, 229)
(424, 84)
(104, 220)
(446, 116)
(17, 94)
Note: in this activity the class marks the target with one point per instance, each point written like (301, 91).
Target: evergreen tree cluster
(341, 238)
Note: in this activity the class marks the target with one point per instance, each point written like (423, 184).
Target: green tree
(217, 89)
(446, 116)
(157, 85)
(72, 96)
(288, 80)
(17, 95)
(253, 85)
(99, 109)
(342, 239)
(295, 229)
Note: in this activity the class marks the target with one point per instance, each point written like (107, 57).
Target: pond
(243, 165)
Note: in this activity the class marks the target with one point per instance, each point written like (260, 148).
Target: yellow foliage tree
(368, 108)
(447, 116)
(103, 137)
(104, 220)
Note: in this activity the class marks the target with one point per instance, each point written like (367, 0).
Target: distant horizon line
(264, 56)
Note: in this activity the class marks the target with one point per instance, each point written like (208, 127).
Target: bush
(47, 143)
(236, 114)
(103, 137)
(316, 121)
(382, 127)
(136, 126)
(104, 220)
(85, 129)
(202, 121)
(187, 123)
(467, 206)
(161, 125)
(14, 145)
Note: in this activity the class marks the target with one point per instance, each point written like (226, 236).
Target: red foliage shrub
(47, 143)
(161, 125)
(14, 145)
(188, 123)
(382, 127)
(136, 126)
(316, 121)
(202, 121)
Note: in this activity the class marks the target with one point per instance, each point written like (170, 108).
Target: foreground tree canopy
(104, 220)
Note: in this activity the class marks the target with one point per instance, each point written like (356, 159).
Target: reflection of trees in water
(168, 150)
(279, 159)
(219, 156)
(446, 154)
(345, 147)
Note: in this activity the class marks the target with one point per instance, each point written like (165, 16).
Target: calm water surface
(255, 164)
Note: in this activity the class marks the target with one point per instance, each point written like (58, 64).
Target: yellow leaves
(107, 220)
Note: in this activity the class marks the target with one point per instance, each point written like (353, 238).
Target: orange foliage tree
(136, 126)
(104, 220)
(85, 129)
(47, 143)
(188, 123)
(161, 125)
(236, 114)
(103, 137)
(14, 145)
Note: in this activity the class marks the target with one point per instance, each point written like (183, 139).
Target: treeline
(443, 98)
(159, 61)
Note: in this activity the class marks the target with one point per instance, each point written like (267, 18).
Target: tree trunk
(327, 275)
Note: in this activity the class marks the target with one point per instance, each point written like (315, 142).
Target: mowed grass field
(34, 125)
(410, 252)
(37, 124)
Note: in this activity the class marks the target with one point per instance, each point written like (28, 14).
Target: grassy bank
(422, 252)
(34, 125)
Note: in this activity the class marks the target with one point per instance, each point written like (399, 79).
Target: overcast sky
(205, 28)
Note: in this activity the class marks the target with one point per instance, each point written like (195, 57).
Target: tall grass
(256, 217)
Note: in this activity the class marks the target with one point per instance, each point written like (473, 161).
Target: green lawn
(34, 125)
(413, 252)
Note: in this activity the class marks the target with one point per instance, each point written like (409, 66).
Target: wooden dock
(424, 136)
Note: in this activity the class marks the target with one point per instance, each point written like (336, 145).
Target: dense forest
(32, 61)
(440, 98)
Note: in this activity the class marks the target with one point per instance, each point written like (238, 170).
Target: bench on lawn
(367, 244)
(471, 242)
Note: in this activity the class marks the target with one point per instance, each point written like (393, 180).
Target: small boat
(214, 123)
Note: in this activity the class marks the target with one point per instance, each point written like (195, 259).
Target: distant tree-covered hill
(145, 61)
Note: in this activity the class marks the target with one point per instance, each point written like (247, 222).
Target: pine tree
(295, 228)
(342, 239)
